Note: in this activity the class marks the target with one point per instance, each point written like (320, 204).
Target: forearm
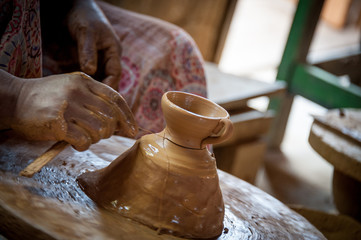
(9, 91)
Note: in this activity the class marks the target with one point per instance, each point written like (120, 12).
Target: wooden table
(52, 206)
(337, 138)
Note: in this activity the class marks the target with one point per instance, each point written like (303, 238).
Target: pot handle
(227, 133)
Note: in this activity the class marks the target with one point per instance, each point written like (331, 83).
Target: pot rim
(173, 105)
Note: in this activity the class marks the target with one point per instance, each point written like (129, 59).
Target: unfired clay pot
(169, 180)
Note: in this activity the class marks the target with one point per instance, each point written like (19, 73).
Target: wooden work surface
(52, 206)
(338, 140)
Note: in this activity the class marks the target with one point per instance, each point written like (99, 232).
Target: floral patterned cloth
(20, 45)
(156, 57)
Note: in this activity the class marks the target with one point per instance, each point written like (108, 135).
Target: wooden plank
(343, 153)
(348, 65)
(346, 122)
(233, 92)
(248, 125)
(335, 12)
(223, 32)
(248, 159)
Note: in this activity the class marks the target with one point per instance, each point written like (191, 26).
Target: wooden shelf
(232, 92)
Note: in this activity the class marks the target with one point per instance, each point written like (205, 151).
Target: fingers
(86, 127)
(112, 82)
(96, 112)
(97, 126)
(77, 137)
(99, 44)
(127, 125)
(87, 51)
(113, 65)
(125, 119)
(106, 116)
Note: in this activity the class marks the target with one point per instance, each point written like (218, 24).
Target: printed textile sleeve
(156, 57)
(20, 44)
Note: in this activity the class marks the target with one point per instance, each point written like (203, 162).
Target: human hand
(71, 107)
(99, 47)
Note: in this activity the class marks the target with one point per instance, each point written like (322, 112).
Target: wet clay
(153, 184)
(51, 205)
(78, 110)
(169, 180)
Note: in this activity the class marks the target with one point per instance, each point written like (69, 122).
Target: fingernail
(133, 129)
(89, 68)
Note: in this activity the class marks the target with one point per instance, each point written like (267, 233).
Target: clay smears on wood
(43, 159)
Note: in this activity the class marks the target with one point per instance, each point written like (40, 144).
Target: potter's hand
(98, 45)
(70, 107)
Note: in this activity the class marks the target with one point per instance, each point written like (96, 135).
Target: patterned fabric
(20, 45)
(156, 57)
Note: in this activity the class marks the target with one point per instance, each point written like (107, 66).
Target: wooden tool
(43, 159)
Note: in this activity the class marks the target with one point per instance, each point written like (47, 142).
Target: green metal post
(296, 50)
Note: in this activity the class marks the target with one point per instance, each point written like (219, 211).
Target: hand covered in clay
(71, 107)
(98, 45)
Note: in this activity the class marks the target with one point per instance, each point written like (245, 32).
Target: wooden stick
(43, 159)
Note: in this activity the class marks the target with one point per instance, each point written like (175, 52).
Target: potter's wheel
(52, 206)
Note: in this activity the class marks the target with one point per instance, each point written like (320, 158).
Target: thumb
(87, 51)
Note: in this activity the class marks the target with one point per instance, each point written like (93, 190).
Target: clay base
(169, 188)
